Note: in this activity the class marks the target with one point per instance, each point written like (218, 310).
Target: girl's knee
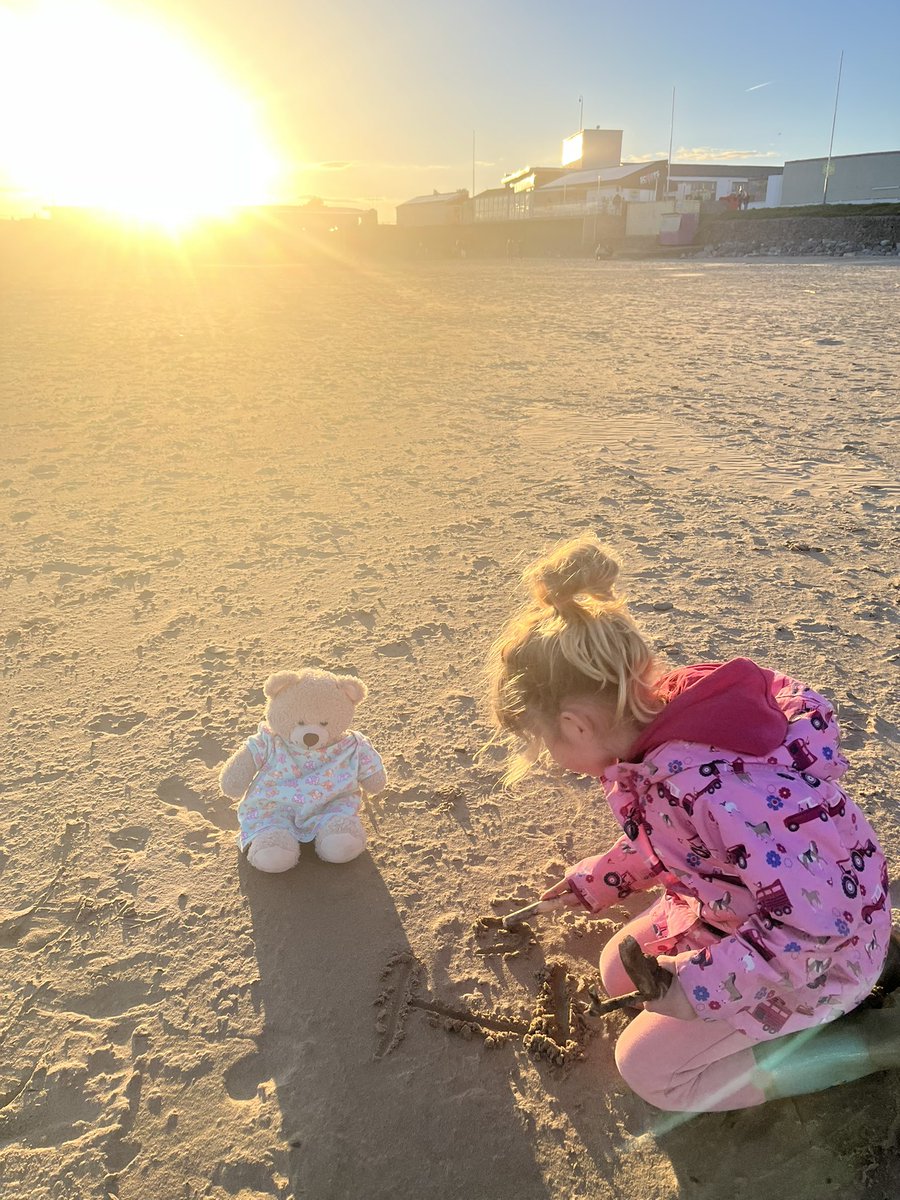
(616, 980)
(639, 1066)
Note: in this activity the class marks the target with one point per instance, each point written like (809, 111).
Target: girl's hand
(675, 1002)
(570, 899)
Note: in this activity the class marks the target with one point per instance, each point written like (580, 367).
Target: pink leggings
(679, 1066)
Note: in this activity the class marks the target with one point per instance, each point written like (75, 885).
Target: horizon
(372, 104)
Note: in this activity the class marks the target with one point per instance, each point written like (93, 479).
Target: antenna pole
(837, 93)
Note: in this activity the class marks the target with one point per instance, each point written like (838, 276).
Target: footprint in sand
(208, 749)
(179, 793)
(131, 837)
(244, 1078)
(400, 649)
(116, 723)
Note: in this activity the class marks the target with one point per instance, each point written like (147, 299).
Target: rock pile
(828, 247)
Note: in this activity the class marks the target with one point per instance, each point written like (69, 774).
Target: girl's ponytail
(576, 638)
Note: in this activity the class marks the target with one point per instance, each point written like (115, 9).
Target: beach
(213, 471)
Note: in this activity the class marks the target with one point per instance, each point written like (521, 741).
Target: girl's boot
(859, 1044)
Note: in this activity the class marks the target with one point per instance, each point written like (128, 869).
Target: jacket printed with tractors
(764, 849)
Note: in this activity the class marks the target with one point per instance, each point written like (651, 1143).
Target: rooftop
(603, 175)
(720, 171)
(447, 197)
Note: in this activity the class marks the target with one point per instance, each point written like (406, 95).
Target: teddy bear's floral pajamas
(296, 789)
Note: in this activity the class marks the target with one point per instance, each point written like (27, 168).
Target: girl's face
(587, 739)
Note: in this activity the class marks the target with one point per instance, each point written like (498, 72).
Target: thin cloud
(757, 86)
(334, 165)
(717, 154)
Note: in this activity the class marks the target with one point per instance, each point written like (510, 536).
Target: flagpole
(837, 92)
(671, 135)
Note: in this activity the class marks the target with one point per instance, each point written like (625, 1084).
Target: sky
(371, 102)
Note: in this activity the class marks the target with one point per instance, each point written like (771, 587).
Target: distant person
(603, 251)
(617, 204)
(774, 921)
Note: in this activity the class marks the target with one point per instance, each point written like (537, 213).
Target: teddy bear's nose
(310, 739)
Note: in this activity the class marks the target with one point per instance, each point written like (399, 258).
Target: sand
(212, 474)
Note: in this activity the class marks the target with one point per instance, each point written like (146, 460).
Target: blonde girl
(724, 779)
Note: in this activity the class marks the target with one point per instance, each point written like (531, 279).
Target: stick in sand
(532, 910)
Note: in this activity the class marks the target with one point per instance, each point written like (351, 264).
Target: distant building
(590, 148)
(440, 208)
(852, 179)
(708, 182)
(315, 216)
(522, 184)
(602, 190)
(493, 204)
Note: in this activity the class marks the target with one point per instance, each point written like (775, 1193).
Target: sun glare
(108, 109)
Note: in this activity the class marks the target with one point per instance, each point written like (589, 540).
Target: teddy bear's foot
(274, 850)
(340, 839)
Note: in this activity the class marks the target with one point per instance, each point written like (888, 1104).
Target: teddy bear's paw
(340, 839)
(273, 851)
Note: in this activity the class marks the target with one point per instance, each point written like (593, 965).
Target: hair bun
(580, 567)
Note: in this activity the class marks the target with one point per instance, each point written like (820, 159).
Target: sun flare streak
(115, 112)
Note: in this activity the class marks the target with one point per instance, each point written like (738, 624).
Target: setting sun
(113, 111)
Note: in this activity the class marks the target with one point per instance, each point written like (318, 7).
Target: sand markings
(554, 1029)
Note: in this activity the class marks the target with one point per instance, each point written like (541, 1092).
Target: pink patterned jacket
(763, 848)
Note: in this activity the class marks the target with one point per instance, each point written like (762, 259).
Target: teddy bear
(299, 777)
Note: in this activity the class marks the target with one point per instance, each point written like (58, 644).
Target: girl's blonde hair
(574, 639)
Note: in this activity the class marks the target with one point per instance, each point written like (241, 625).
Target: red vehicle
(737, 855)
(665, 793)
(837, 810)
(801, 755)
(772, 1014)
(755, 938)
(688, 801)
(860, 853)
(774, 901)
(622, 883)
(869, 909)
(709, 768)
(699, 848)
(850, 880)
(795, 820)
(632, 819)
(818, 721)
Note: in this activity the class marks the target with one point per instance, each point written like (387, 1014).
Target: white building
(440, 208)
(852, 179)
(708, 182)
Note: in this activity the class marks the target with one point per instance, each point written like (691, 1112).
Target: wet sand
(214, 474)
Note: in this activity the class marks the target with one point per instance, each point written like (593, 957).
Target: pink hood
(728, 705)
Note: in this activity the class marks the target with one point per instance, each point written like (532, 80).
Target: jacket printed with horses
(765, 849)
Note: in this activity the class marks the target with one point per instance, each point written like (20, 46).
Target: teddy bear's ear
(279, 681)
(354, 689)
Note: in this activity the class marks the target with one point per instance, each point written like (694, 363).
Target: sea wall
(837, 236)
